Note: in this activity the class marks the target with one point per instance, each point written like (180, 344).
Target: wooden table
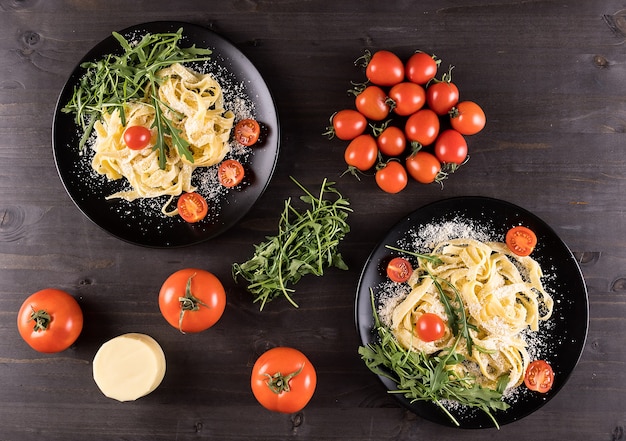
(550, 76)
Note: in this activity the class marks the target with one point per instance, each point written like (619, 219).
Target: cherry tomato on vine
(230, 173)
(407, 98)
(372, 103)
(399, 269)
(539, 376)
(451, 147)
(391, 141)
(391, 177)
(347, 124)
(442, 96)
(422, 127)
(192, 300)
(467, 117)
(430, 327)
(521, 240)
(423, 166)
(247, 131)
(420, 68)
(192, 207)
(283, 380)
(50, 320)
(362, 152)
(384, 69)
(137, 137)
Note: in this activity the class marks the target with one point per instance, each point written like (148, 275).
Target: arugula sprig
(117, 79)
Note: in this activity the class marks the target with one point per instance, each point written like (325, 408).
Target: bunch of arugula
(111, 82)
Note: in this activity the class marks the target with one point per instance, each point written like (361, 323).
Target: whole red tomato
(347, 124)
(362, 152)
(192, 300)
(391, 141)
(283, 380)
(421, 67)
(422, 127)
(451, 147)
(391, 177)
(423, 166)
(384, 69)
(442, 96)
(407, 98)
(371, 102)
(468, 118)
(50, 320)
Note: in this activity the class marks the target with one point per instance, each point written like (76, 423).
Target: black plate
(141, 222)
(567, 328)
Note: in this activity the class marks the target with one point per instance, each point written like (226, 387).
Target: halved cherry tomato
(451, 147)
(441, 96)
(430, 327)
(247, 131)
(521, 240)
(391, 141)
(362, 152)
(347, 124)
(192, 207)
(230, 173)
(539, 376)
(391, 177)
(422, 127)
(384, 68)
(372, 103)
(423, 166)
(137, 137)
(421, 67)
(399, 269)
(468, 118)
(407, 98)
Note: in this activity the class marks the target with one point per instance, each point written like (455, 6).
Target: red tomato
(391, 177)
(385, 69)
(391, 141)
(422, 126)
(423, 166)
(362, 152)
(442, 96)
(372, 103)
(399, 269)
(521, 240)
(421, 67)
(230, 173)
(50, 320)
(451, 147)
(468, 118)
(137, 137)
(283, 380)
(192, 207)
(247, 131)
(407, 97)
(430, 327)
(347, 124)
(192, 300)
(539, 376)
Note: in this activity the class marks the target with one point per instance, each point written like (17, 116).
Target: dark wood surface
(551, 76)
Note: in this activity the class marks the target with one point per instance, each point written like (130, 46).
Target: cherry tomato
(283, 380)
(521, 240)
(192, 300)
(192, 207)
(391, 177)
(391, 141)
(362, 152)
(539, 376)
(137, 137)
(451, 147)
(399, 269)
(422, 127)
(50, 320)
(347, 124)
(423, 166)
(442, 96)
(468, 118)
(385, 69)
(407, 97)
(247, 131)
(372, 103)
(421, 68)
(430, 327)
(230, 173)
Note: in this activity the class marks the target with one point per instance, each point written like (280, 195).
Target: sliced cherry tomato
(442, 96)
(192, 300)
(385, 69)
(399, 269)
(247, 131)
(230, 173)
(422, 127)
(539, 376)
(468, 118)
(362, 152)
(347, 124)
(407, 98)
(430, 327)
(137, 137)
(423, 166)
(192, 207)
(521, 240)
(391, 177)
(50, 320)
(372, 103)
(421, 68)
(391, 141)
(451, 147)
(283, 380)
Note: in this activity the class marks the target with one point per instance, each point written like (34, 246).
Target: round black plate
(142, 223)
(567, 331)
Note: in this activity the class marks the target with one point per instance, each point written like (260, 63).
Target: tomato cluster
(406, 121)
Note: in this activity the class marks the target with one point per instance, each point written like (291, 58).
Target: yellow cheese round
(129, 366)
